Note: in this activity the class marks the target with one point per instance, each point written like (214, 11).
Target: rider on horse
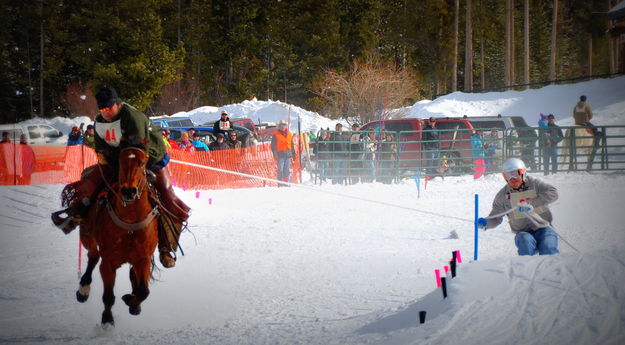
(118, 123)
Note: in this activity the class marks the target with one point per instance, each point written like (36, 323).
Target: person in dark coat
(339, 148)
(219, 143)
(322, 154)
(223, 125)
(552, 135)
(432, 145)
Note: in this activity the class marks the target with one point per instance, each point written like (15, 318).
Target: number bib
(111, 132)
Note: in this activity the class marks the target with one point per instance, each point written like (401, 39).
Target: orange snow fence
(26, 164)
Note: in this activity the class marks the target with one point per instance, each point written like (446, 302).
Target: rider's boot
(82, 193)
(73, 216)
(178, 210)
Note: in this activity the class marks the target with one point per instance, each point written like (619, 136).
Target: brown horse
(583, 144)
(122, 228)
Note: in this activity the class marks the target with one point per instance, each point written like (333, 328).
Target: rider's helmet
(513, 168)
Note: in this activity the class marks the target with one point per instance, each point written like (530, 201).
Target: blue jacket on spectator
(199, 145)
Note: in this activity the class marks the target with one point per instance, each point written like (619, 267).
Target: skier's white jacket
(539, 194)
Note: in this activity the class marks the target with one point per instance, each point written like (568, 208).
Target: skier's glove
(524, 207)
(482, 222)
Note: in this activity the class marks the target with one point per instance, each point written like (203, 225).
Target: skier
(525, 201)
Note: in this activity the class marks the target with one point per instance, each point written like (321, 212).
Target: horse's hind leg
(108, 297)
(139, 276)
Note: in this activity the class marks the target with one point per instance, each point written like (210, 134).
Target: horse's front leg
(93, 256)
(107, 271)
(139, 277)
(85, 281)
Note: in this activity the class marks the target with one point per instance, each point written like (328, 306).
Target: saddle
(169, 226)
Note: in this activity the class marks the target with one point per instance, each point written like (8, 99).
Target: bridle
(142, 185)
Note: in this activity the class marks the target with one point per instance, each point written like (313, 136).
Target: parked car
(455, 141)
(244, 122)
(36, 134)
(499, 122)
(206, 133)
(169, 122)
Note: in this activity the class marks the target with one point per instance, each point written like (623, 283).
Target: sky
(338, 264)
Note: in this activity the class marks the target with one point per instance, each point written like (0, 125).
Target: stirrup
(167, 260)
(67, 224)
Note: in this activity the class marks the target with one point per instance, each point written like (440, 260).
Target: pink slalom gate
(437, 273)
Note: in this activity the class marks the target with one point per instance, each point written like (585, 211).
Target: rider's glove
(482, 222)
(524, 207)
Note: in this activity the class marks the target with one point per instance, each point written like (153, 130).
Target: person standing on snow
(283, 151)
(525, 200)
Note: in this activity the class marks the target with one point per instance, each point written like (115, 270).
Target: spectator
(74, 137)
(165, 141)
(432, 145)
(355, 154)
(388, 158)
(172, 143)
(582, 114)
(338, 146)
(530, 219)
(552, 136)
(477, 150)
(198, 143)
(28, 161)
(223, 125)
(219, 143)
(283, 151)
(322, 153)
(233, 142)
(185, 143)
(191, 132)
(492, 144)
(527, 141)
(7, 168)
(543, 120)
(88, 138)
(82, 128)
(370, 148)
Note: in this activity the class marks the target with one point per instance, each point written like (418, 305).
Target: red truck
(455, 144)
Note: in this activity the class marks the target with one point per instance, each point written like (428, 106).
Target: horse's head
(132, 172)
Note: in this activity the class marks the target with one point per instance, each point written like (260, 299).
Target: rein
(130, 227)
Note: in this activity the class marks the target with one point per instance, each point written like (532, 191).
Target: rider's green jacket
(132, 127)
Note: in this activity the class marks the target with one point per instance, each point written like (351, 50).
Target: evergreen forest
(165, 56)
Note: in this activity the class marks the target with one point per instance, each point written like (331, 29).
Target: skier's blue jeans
(284, 169)
(543, 240)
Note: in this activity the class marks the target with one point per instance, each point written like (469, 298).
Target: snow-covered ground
(338, 265)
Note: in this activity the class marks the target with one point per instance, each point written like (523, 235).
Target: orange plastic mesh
(24, 164)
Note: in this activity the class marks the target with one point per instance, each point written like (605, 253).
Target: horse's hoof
(81, 298)
(126, 298)
(107, 319)
(135, 310)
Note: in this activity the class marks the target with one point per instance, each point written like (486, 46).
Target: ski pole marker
(437, 274)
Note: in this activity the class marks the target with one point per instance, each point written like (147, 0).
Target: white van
(36, 134)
